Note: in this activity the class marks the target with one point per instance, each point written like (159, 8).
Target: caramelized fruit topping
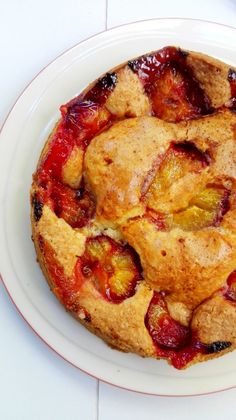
(86, 115)
(164, 330)
(147, 66)
(174, 91)
(172, 340)
(60, 148)
(113, 268)
(179, 159)
(181, 358)
(76, 207)
(205, 209)
(175, 96)
(82, 118)
(104, 86)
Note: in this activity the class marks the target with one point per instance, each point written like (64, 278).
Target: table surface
(35, 383)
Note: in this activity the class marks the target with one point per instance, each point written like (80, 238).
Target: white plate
(22, 138)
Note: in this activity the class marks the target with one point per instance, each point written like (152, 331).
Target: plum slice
(179, 159)
(79, 124)
(173, 341)
(82, 118)
(205, 209)
(112, 267)
(174, 96)
(86, 114)
(75, 206)
(174, 92)
(164, 330)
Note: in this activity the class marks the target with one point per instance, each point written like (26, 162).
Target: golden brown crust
(67, 243)
(120, 166)
(128, 98)
(125, 323)
(72, 171)
(215, 319)
(118, 184)
(186, 264)
(125, 326)
(200, 253)
(212, 75)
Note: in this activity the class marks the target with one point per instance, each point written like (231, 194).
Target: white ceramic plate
(22, 138)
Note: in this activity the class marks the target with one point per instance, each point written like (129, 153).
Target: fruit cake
(133, 207)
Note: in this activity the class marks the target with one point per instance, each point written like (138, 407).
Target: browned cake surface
(133, 207)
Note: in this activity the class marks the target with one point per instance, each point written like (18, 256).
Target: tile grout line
(106, 14)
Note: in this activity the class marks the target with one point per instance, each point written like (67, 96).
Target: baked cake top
(133, 206)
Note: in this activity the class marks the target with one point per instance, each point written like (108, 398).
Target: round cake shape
(133, 204)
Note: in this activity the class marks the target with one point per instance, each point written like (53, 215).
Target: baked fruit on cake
(134, 207)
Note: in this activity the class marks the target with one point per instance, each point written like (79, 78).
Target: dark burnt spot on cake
(79, 193)
(183, 52)
(87, 317)
(102, 89)
(133, 64)
(108, 81)
(108, 161)
(217, 346)
(83, 314)
(37, 208)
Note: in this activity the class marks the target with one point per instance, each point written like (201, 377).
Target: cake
(133, 207)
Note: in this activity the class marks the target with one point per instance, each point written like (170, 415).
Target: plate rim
(217, 24)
